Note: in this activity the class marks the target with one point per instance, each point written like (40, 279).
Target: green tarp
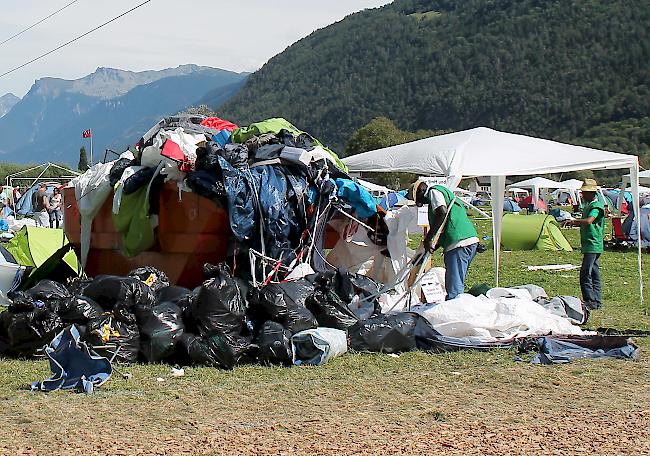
(532, 232)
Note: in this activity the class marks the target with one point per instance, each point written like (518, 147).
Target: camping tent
(536, 232)
(24, 205)
(511, 206)
(628, 226)
(483, 151)
(536, 184)
(33, 247)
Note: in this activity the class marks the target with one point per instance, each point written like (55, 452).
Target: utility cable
(39, 22)
(74, 39)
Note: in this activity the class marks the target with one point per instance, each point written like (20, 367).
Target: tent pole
(634, 181)
(497, 190)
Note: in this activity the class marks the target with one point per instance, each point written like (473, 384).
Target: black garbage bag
(393, 333)
(22, 334)
(218, 307)
(207, 158)
(77, 285)
(161, 328)
(299, 319)
(275, 344)
(108, 336)
(208, 184)
(274, 300)
(112, 292)
(22, 302)
(218, 350)
(330, 311)
(46, 294)
(173, 294)
(80, 310)
(118, 169)
(48, 290)
(154, 278)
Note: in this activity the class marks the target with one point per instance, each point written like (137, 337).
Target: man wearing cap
(458, 236)
(592, 233)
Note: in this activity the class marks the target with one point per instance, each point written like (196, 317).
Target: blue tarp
(265, 195)
(558, 351)
(358, 197)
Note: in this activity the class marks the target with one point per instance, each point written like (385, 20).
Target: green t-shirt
(592, 236)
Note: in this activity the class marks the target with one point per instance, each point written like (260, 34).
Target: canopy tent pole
(497, 190)
(634, 181)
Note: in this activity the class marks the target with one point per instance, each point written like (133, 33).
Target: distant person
(40, 205)
(458, 239)
(592, 234)
(55, 209)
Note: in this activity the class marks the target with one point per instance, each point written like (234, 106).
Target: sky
(237, 36)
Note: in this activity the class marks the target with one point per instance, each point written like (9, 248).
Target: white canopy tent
(626, 181)
(486, 152)
(536, 184)
(573, 187)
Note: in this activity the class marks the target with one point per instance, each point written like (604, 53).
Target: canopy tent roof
(572, 184)
(536, 182)
(644, 178)
(517, 189)
(485, 152)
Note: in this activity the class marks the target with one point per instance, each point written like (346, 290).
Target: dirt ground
(460, 403)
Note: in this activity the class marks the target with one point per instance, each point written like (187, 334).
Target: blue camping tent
(24, 205)
(510, 206)
(630, 223)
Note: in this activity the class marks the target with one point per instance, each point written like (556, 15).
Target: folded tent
(485, 152)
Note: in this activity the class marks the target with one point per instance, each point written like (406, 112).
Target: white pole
(91, 147)
(634, 181)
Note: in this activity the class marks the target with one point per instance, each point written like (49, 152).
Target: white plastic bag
(316, 346)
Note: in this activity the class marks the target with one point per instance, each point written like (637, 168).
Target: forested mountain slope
(574, 70)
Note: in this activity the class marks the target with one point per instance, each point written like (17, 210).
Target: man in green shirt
(458, 236)
(592, 233)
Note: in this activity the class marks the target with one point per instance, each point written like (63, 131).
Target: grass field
(417, 403)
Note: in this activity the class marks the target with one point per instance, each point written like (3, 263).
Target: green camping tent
(32, 246)
(532, 232)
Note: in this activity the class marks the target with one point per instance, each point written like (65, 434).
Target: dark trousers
(592, 293)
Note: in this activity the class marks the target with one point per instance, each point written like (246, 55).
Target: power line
(36, 23)
(74, 39)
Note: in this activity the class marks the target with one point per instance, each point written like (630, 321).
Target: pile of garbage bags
(222, 323)
(227, 322)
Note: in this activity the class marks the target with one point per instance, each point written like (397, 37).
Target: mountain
(119, 106)
(573, 70)
(7, 102)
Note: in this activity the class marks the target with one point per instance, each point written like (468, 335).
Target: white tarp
(485, 152)
(488, 319)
